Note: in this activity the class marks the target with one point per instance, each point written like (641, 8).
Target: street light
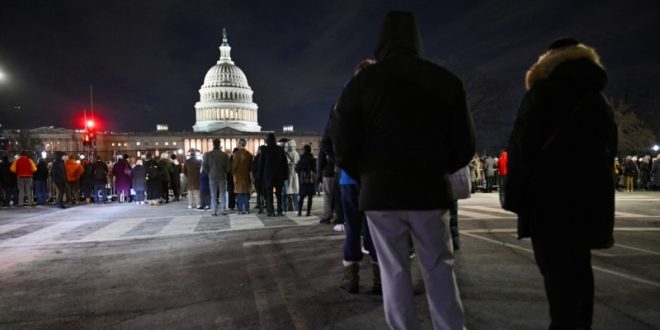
(3, 76)
(655, 147)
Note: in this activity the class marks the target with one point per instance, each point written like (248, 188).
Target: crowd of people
(224, 178)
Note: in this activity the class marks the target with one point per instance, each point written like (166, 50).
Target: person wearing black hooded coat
(418, 109)
(58, 174)
(273, 170)
(564, 115)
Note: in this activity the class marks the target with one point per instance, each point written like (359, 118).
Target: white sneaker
(338, 227)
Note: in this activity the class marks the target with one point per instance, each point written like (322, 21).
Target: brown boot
(351, 280)
(377, 288)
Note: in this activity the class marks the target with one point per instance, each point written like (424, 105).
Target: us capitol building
(225, 111)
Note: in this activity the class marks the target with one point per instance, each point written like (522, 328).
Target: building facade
(225, 111)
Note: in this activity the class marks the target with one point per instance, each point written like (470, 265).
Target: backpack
(100, 173)
(153, 171)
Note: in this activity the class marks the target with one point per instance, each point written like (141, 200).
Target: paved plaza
(126, 266)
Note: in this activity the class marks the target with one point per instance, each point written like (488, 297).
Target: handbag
(460, 183)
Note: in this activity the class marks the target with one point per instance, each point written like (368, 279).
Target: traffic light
(90, 133)
(86, 140)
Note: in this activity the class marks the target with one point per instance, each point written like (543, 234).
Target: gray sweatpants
(390, 232)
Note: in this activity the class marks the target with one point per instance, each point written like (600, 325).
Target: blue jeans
(41, 187)
(218, 187)
(354, 222)
(104, 197)
(243, 201)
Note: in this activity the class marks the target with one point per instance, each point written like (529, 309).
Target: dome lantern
(225, 49)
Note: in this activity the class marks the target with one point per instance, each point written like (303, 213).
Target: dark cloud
(147, 59)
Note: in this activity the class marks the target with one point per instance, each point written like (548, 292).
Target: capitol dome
(225, 98)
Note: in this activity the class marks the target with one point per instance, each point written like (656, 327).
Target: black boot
(300, 203)
(351, 280)
(377, 287)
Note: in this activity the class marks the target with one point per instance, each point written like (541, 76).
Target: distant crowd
(153, 180)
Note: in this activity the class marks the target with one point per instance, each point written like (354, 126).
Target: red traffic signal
(90, 125)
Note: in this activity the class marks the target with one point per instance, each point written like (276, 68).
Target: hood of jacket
(572, 62)
(58, 156)
(270, 139)
(399, 33)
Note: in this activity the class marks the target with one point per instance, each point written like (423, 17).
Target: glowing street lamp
(655, 148)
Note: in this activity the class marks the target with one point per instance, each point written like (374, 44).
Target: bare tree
(634, 135)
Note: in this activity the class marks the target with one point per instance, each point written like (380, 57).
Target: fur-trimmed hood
(550, 60)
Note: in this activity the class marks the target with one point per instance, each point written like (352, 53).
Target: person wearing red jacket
(24, 167)
(501, 169)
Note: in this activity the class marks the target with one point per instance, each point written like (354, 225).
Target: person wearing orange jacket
(24, 167)
(501, 169)
(73, 173)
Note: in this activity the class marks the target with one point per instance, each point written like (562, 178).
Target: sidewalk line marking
(600, 269)
(462, 212)
(293, 240)
(8, 228)
(42, 235)
(637, 249)
(305, 221)
(490, 209)
(181, 225)
(113, 230)
(244, 221)
(620, 214)
(637, 229)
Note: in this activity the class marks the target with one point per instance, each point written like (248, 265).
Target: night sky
(147, 59)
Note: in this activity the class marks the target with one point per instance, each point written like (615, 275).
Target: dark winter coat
(564, 115)
(401, 112)
(58, 170)
(100, 173)
(139, 178)
(42, 171)
(326, 161)
(7, 177)
(306, 169)
(273, 167)
(122, 173)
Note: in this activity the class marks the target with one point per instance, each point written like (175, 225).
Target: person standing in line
(231, 195)
(175, 178)
(24, 167)
(326, 170)
(379, 111)
(273, 170)
(154, 185)
(630, 171)
(240, 168)
(121, 171)
(100, 170)
(258, 187)
(40, 181)
(86, 178)
(191, 169)
(291, 184)
(166, 169)
(216, 164)
(139, 181)
(73, 173)
(306, 171)
(461, 189)
(9, 185)
(58, 174)
(489, 169)
(564, 115)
